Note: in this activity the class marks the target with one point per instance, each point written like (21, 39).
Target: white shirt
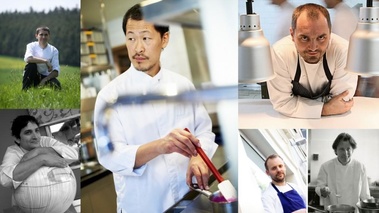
(345, 21)
(349, 182)
(160, 183)
(49, 52)
(283, 20)
(312, 77)
(271, 201)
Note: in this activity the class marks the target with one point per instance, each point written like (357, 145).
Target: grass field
(12, 97)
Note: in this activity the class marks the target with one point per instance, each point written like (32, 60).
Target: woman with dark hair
(343, 180)
(31, 152)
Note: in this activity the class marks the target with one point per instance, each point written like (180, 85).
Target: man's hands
(52, 74)
(199, 169)
(337, 105)
(179, 141)
(325, 191)
(49, 66)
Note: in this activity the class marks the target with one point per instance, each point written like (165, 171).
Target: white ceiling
(114, 9)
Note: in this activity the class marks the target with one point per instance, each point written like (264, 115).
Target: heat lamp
(254, 52)
(363, 57)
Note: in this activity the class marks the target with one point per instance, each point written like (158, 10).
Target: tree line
(17, 29)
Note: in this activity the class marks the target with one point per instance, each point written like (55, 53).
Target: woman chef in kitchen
(342, 180)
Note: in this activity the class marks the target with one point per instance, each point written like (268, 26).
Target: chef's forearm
(145, 153)
(24, 169)
(33, 59)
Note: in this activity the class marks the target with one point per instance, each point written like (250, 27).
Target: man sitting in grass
(42, 62)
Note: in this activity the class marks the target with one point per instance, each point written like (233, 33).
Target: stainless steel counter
(364, 114)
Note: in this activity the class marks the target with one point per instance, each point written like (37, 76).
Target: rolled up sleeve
(10, 161)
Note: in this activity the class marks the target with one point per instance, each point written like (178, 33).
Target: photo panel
(40, 166)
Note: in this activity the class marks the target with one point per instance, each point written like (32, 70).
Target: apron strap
(326, 69)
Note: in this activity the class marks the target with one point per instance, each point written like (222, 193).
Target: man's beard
(279, 180)
(143, 69)
(138, 65)
(312, 59)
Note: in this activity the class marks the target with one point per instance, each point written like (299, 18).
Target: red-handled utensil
(225, 186)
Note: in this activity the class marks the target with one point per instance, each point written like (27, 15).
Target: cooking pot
(370, 203)
(219, 203)
(338, 208)
(366, 210)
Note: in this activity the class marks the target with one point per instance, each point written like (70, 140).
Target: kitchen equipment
(219, 203)
(339, 208)
(366, 210)
(370, 203)
(87, 151)
(225, 186)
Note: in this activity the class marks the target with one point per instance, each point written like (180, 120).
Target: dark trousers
(32, 78)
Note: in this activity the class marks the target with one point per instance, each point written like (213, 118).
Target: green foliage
(17, 29)
(12, 97)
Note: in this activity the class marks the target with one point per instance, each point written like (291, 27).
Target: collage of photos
(189, 106)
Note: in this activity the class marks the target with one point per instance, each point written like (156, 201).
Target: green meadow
(12, 97)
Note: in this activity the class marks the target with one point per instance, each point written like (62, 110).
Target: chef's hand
(43, 82)
(49, 66)
(38, 151)
(337, 105)
(180, 141)
(199, 169)
(53, 160)
(325, 191)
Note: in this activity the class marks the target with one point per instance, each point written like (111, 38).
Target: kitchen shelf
(87, 104)
(92, 69)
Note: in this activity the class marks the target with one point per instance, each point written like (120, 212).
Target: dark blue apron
(299, 90)
(291, 200)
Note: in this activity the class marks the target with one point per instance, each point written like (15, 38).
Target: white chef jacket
(312, 77)
(349, 181)
(345, 21)
(49, 52)
(271, 201)
(160, 183)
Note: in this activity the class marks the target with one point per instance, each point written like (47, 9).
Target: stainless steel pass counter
(259, 113)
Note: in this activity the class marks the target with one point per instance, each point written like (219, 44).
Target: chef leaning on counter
(309, 64)
(343, 180)
(154, 158)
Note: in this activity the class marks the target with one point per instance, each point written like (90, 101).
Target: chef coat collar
(145, 77)
(351, 160)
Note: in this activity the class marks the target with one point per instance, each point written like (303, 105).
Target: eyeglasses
(43, 34)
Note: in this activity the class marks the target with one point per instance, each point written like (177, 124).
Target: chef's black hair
(135, 13)
(344, 137)
(20, 122)
(43, 28)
